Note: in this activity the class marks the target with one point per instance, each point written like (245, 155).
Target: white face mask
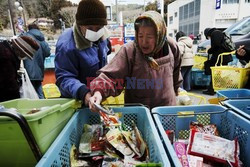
(94, 36)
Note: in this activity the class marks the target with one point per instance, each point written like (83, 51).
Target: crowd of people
(150, 69)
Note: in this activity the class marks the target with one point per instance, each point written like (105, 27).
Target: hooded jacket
(143, 84)
(35, 67)
(185, 45)
(217, 38)
(76, 61)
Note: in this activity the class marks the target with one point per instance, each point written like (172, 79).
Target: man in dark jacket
(216, 37)
(11, 52)
(35, 67)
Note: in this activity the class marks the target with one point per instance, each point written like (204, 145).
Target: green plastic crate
(45, 126)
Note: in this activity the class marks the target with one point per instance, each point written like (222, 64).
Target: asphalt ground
(198, 91)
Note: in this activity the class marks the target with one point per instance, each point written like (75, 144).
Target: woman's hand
(96, 98)
(241, 51)
(86, 99)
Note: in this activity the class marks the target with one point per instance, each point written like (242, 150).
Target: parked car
(244, 40)
(239, 31)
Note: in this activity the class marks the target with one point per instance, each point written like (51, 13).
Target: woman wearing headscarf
(148, 68)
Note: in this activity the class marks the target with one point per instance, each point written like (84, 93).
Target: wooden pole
(11, 18)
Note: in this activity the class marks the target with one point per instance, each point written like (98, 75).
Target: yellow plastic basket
(224, 77)
(216, 100)
(51, 91)
(199, 60)
(114, 100)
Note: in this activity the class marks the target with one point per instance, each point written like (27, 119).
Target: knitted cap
(91, 12)
(26, 45)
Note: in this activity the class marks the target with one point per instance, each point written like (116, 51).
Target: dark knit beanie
(91, 12)
(26, 45)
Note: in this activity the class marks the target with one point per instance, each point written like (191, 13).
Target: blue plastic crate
(234, 93)
(59, 152)
(50, 61)
(241, 107)
(229, 124)
(199, 78)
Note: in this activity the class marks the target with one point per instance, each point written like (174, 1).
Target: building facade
(193, 16)
(108, 5)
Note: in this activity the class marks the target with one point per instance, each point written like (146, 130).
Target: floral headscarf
(161, 30)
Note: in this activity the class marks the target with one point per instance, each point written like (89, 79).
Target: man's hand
(96, 98)
(241, 51)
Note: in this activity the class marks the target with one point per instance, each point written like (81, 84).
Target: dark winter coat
(35, 67)
(9, 64)
(217, 38)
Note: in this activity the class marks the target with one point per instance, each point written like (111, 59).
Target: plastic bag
(214, 148)
(183, 98)
(26, 90)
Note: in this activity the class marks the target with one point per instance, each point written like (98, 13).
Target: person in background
(243, 53)
(19, 25)
(148, 68)
(216, 37)
(191, 35)
(35, 67)
(11, 52)
(82, 50)
(186, 50)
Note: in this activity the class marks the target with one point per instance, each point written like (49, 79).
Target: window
(196, 28)
(171, 20)
(186, 11)
(181, 12)
(231, 1)
(247, 1)
(197, 7)
(185, 29)
(175, 14)
(108, 9)
(191, 9)
(242, 28)
(190, 28)
(180, 28)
